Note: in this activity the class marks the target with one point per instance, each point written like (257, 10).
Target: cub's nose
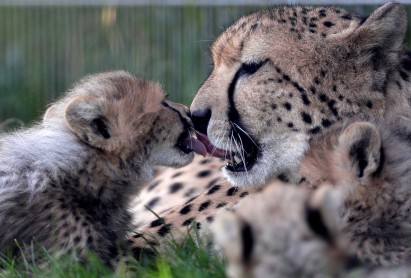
(200, 119)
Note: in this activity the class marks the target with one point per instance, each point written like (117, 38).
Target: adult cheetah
(282, 77)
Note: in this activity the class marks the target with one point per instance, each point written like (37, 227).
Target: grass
(189, 258)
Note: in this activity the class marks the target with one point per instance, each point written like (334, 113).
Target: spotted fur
(284, 231)
(321, 66)
(195, 214)
(367, 164)
(66, 183)
(352, 207)
(205, 173)
(373, 163)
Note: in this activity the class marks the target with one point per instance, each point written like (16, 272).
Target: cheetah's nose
(200, 119)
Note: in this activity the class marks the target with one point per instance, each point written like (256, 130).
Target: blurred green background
(43, 50)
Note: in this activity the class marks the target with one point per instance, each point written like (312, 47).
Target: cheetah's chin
(236, 162)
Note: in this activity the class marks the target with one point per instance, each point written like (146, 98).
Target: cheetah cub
(66, 182)
(287, 231)
(372, 161)
(284, 231)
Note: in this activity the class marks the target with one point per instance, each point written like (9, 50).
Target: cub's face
(127, 117)
(282, 76)
(172, 131)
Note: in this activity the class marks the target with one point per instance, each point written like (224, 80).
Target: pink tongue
(213, 151)
(201, 145)
(196, 145)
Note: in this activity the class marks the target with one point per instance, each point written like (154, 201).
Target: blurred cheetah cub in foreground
(66, 183)
(284, 231)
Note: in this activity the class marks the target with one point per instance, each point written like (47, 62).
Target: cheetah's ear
(361, 143)
(85, 117)
(380, 38)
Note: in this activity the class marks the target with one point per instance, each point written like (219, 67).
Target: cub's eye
(251, 68)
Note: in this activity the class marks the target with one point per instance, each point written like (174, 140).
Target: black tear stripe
(245, 69)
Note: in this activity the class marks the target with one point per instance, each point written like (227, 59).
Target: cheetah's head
(125, 116)
(284, 75)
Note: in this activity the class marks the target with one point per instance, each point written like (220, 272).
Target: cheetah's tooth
(230, 161)
(237, 159)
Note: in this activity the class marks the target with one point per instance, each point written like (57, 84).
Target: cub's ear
(49, 112)
(361, 143)
(85, 117)
(381, 37)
